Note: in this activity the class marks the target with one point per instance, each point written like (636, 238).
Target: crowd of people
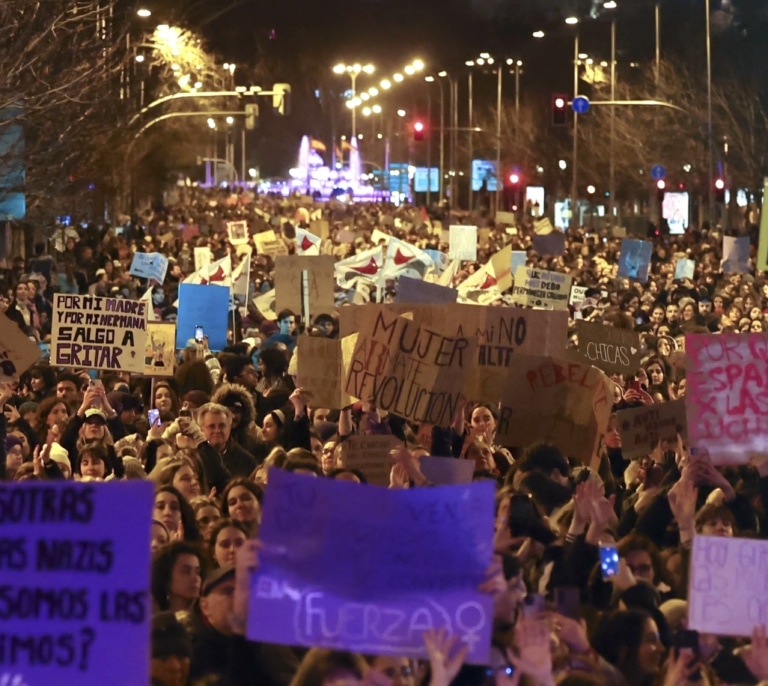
(225, 419)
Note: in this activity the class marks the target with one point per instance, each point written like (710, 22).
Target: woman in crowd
(177, 574)
(241, 501)
(173, 510)
(226, 538)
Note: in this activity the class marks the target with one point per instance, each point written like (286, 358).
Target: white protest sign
(462, 242)
(149, 265)
(203, 257)
(541, 289)
(238, 232)
(99, 333)
(578, 294)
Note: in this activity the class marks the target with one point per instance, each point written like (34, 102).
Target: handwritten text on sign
(99, 333)
(727, 394)
(641, 428)
(541, 289)
(369, 569)
(728, 591)
(75, 587)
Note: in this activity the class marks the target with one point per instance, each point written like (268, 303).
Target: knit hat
(133, 468)
(60, 455)
(12, 442)
(268, 328)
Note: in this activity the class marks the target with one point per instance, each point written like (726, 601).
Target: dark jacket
(216, 474)
(72, 433)
(246, 432)
(238, 462)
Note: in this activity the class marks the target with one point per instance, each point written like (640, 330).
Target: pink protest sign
(727, 394)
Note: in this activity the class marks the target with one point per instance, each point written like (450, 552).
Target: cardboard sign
(726, 594)
(160, 355)
(413, 371)
(411, 290)
(735, 255)
(543, 227)
(641, 428)
(267, 243)
(89, 577)
(320, 227)
(541, 289)
(98, 333)
(371, 456)
(615, 351)
(578, 295)
(724, 394)
(684, 269)
(149, 265)
(265, 303)
(203, 257)
(321, 365)
(462, 243)
(320, 283)
(443, 471)
(563, 402)
(17, 352)
(238, 232)
(506, 218)
(352, 592)
(762, 244)
(550, 244)
(518, 260)
(635, 259)
(206, 306)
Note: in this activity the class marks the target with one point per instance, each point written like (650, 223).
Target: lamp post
(575, 160)
(710, 142)
(354, 70)
(612, 165)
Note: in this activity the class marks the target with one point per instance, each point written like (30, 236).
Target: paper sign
(238, 232)
(81, 606)
(543, 227)
(635, 259)
(149, 265)
(160, 355)
(615, 351)
(203, 257)
(684, 269)
(98, 333)
(727, 594)
(320, 283)
(563, 402)
(518, 259)
(506, 218)
(578, 295)
(735, 254)
(541, 289)
(641, 428)
(550, 244)
(462, 243)
(266, 304)
(267, 243)
(17, 352)
(320, 227)
(321, 366)
(371, 456)
(762, 244)
(447, 470)
(345, 566)
(724, 394)
(206, 306)
(410, 290)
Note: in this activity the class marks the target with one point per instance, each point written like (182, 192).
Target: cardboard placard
(149, 265)
(267, 243)
(320, 228)
(501, 266)
(462, 242)
(327, 581)
(635, 259)
(684, 269)
(506, 218)
(735, 255)
(206, 306)
(518, 260)
(237, 232)
(412, 291)
(578, 295)
(370, 455)
(17, 352)
(160, 355)
(203, 257)
(321, 369)
(320, 284)
(615, 351)
(81, 605)
(98, 333)
(541, 289)
(641, 428)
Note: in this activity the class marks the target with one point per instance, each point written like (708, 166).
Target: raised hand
(444, 659)
(682, 501)
(755, 655)
(534, 652)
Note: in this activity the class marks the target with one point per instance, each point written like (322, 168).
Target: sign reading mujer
(99, 333)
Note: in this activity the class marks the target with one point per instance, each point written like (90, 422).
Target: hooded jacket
(246, 433)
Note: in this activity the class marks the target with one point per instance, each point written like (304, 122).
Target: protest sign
(543, 227)
(635, 259)
(550, 244)
(500, 265)
(265, 303)
(98, 333)
(578, 295)
(17, 352)
(735, 255)
(506, 218)
(320, 227)
(370, 455)
(373, 586)
(518, 260)
(237, 231)
(413, 371)
(321, 365)
(619, 232)
(641, 428)
(615, 351)
(724, 396)
(762, 244)
(727, 595)
(541, 289)
(410, 290)
(447, 470)
(206, 306)
(268, 243)
(149, 265)
(684, 269)
(462, 242)
(203, 257)
(290, 288)
(160, 355)
(563, 402)
(76, 586)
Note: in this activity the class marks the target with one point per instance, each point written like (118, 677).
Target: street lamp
(538, 34)
(354, 70)
(143, 13)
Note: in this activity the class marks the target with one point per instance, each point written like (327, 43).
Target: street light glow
(369, 69)
(367, 111)
(571, 21)
(373, 91)
(400, 113)
(442, 74)
(364, 96)
(538, 34)
(409, 70)
(230, 120)
(591, 189)
(418, 65)
(485, 55)
(139, 58)
(211, 123)
(386, 84)
(143, 13)
(559, 103)
(719, 184)
(376, 109)
(429, 79)
(562, 164)
(398, 77)
(339, 69)
(610, 5)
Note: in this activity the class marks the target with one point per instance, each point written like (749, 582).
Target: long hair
(162, 569)
(191, 532)
(319, 663)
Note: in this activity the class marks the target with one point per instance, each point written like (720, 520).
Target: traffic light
(514, 178)
(281, 98)
(251, 116)
(418, 130)
(661, 186)
(720, 191)
(559, 110)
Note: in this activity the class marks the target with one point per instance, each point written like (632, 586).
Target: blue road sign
(580, 104)
(658, 171)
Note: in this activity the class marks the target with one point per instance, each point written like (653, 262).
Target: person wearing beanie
(171, 651)
(13, 456)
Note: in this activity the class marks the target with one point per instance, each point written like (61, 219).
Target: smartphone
(521, 514)
(153, 416)
(609, 561)
(568, 602)
(199, 334)
(96, 383)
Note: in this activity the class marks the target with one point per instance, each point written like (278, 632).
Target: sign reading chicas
(727, 394)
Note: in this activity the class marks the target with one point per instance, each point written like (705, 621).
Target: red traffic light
(418, 126)
(719, 184)
(661, 184)
(418, 130)
(559, 102)
(514, 179)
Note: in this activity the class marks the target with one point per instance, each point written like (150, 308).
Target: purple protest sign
(367, 569)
